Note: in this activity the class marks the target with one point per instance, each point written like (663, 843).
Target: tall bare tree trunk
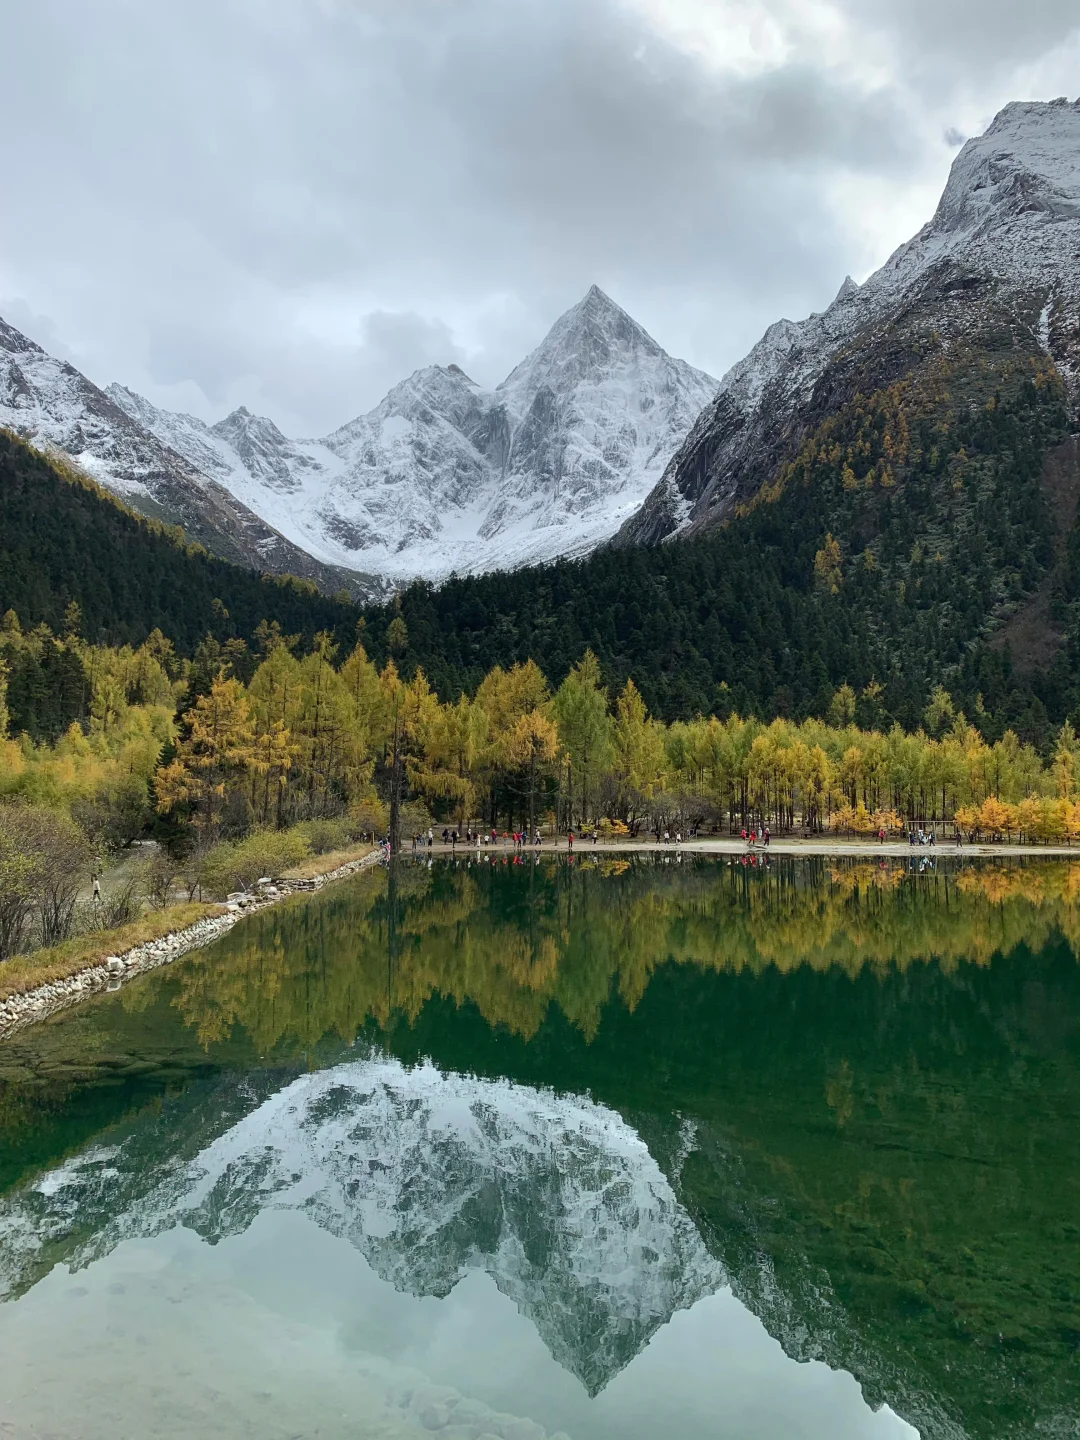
(532, 792)
(395, 792)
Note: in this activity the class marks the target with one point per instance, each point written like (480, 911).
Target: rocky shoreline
(30, 1006)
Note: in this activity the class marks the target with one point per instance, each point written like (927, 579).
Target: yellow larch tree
(216, 752)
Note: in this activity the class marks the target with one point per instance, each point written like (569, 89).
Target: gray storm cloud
(292, 204)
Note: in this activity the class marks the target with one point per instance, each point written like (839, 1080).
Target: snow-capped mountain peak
(444, 475)
(849, 287)
(586, 344)
(185, 434)
(1026, 162)
(16, 343)
(263, 450)
(436, 392)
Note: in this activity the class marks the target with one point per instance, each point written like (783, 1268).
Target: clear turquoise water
(611, 1150)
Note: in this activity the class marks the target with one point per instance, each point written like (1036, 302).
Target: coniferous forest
(63, 538)
(887, 556)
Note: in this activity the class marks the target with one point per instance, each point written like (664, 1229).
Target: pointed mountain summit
(849, 287)
(243, 430)
(443, 475)
(264, 451)
(591, 412)
(997, 265)
(1027, 163)
(584, 345)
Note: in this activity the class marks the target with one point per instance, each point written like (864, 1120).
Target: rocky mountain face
(52, 404)
(444, 476)
(997, 270)
(429, 1175)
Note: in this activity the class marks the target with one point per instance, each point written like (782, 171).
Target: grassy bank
(317, 865)
(26, 972)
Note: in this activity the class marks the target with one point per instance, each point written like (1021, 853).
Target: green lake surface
(612, 1149)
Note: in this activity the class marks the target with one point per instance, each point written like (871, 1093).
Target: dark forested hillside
(63, 538)
(910, 527)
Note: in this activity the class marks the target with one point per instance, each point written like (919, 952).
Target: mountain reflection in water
(848, 1091)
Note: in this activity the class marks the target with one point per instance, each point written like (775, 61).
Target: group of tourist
(519, 839)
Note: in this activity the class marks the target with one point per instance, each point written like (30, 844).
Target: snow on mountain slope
(50, 403)
(186, 435)
(429, 1175)
(618, 404)
(405, 482)
(444, 476)
(252, 460)
(1005, 236)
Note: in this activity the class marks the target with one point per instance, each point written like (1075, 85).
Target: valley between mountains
(599, 431)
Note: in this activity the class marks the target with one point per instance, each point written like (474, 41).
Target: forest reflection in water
(861, 1081)
(515, 939)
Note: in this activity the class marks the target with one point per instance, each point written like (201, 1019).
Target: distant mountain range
(50, 403)
(441, 476)
(885, 495)
(598, 431)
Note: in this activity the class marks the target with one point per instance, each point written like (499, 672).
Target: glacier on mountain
(429, 1175)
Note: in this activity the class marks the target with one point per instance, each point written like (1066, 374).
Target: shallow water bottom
(285, 1332)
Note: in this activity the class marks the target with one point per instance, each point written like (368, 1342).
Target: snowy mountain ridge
(50, 403)
(1006, 234)
(441, 476)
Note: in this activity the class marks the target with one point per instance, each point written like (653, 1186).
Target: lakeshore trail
(827, 846)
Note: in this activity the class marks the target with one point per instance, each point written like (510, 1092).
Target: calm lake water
(614, 1149)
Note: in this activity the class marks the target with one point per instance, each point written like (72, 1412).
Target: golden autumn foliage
(828, 566)
(322, 735)
(319, 736)
(219, 747)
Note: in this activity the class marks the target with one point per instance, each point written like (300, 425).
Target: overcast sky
(292, 204)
